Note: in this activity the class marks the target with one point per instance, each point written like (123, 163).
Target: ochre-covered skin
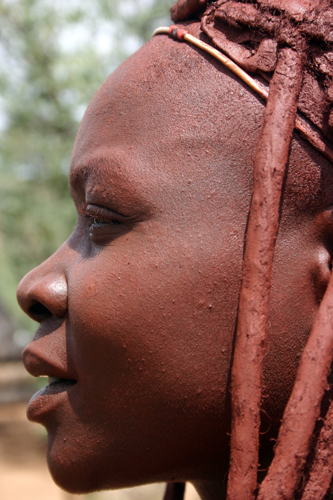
(140, 308)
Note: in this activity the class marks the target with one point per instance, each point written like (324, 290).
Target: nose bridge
(43, 291)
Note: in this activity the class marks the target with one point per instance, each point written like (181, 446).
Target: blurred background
(54, 54)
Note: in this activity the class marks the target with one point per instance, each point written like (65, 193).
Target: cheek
(150, 323)
(132, 310)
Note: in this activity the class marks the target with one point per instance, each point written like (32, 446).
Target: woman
(139, 307)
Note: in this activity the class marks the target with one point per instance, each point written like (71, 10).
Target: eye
(97, 221)
(104, 224)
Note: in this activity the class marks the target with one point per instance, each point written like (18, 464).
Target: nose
(42, 293)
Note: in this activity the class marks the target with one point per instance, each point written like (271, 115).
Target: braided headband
(307, 131)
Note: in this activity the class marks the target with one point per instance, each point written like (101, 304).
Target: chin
(74, 468)
(85, 468)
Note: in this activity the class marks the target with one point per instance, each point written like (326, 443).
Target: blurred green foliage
(54, 56)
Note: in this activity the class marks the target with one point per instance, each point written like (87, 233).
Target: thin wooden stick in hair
(269, 170)
(303, 407)
(322, 467)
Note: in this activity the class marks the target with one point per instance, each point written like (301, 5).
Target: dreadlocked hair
(290, 44)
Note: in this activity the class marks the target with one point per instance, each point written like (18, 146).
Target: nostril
(43, 294)
(39, 312)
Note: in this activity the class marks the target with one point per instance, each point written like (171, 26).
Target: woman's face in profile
(137, 309)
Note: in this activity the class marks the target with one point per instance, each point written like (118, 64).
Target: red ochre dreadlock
(290, 43)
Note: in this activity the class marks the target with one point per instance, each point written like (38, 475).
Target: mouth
(54, 385)
(50, 398)
(61, 378)
(59, 381)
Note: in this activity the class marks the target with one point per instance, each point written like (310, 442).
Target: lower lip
(48, 399)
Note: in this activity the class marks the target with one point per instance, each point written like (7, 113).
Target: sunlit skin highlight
(140, 303)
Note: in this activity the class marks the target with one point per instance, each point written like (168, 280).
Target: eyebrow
(113, 172)
(81, 173)
(100, 168)
(94, 165)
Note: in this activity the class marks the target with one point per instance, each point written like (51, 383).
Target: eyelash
(99, 215)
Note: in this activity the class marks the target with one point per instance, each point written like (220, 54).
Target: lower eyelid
(104, 234)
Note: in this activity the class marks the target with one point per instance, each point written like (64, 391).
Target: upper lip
(40, 366)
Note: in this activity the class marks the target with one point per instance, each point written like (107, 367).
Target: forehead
(169, 115)
(171, 90)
